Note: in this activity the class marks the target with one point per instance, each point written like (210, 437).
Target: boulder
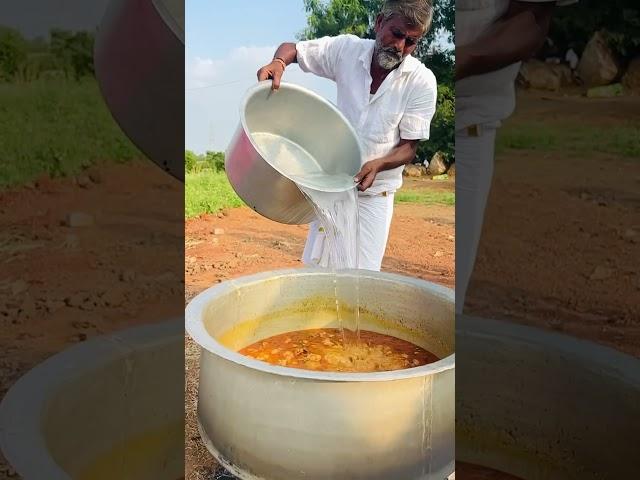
(437, 164)
(598, 65)
(412, 170)
(545, 75)
(452, 171)
(631, 79)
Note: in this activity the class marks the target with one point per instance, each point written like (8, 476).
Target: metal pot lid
(172, 12)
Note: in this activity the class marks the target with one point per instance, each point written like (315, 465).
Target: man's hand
(367, 174)
(272, 71)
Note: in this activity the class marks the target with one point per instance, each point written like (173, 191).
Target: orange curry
(325, 350)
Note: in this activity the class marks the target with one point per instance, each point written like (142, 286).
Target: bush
(442, 136)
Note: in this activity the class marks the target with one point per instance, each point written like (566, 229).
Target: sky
(226, 44)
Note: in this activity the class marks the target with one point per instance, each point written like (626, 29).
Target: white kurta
(402, 108)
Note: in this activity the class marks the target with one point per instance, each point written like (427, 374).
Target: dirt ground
(421, 244)
(60, 285)
(575, 215)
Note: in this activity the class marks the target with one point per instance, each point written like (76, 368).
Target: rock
(75, 300)
(28, 307)
(452, 171)
(18, 287)
(220, 215)
(127, 276)
(83, 180)
(606, 91)
(601, 273)
(437, 164)
(71, 241)
(598, 65)
(412, 170)
(95, 176)
(438, 254)
(78, 219)
(631, 79)
(543, 76)
(79, 337)
(218, 231)
(53, 305)
(114, 297)
(423, 169)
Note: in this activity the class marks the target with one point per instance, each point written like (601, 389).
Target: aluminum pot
(103, 409)
(587, 395)
(139, 65)
(310, 123)
(277, 423)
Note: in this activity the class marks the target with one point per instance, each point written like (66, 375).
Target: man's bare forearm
(404, 153)
(287, 52)
(515, 37)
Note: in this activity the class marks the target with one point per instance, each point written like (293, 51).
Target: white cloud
(214, 91)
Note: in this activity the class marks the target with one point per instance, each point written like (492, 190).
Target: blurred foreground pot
(103, 409)
(139, 64)
(541, 405)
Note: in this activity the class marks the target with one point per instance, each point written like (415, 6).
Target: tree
(620, 20)
(13, 52)
(73, 51)
(334, 17)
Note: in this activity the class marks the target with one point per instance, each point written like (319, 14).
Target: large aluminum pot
(542, 405)
(307, 121)
(108, 408)
(276, 423)
(139, 64)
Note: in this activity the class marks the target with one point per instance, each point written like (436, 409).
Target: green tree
(215, 161)
(334, 17)
(13, 52)
(73, 52)
(190, 161)
(620, 19)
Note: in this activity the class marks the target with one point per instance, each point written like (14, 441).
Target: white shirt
(490, 97)
(402, 107)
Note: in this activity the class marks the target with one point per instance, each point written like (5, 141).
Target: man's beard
(387, 57)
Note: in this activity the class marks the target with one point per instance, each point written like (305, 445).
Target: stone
(75, 300)
(114, 297)
(452, 171)
(437, 164)
(218, 231)
(95, 176)
(631, 79)
(79, 219)
(220, 215)
(438, 254)
(539, 75)
(83, 180)
(598, 65)
(412, 170)
(127, 276)
(18, 287)
(601, 273)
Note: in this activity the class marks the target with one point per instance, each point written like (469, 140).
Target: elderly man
(493, 37)
(387, 95)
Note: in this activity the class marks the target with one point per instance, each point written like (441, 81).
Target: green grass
(56, 127)
(426, 197)
(621, 140)
(208, 192)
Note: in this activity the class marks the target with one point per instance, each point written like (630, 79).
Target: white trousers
(474, 172)
(374, 216)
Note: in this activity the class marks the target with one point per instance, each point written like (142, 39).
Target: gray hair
(418, 13)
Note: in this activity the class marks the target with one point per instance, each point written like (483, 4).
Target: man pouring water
(388, 96)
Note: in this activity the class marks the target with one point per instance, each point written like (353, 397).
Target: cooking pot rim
(197, 331)
(284, 86)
